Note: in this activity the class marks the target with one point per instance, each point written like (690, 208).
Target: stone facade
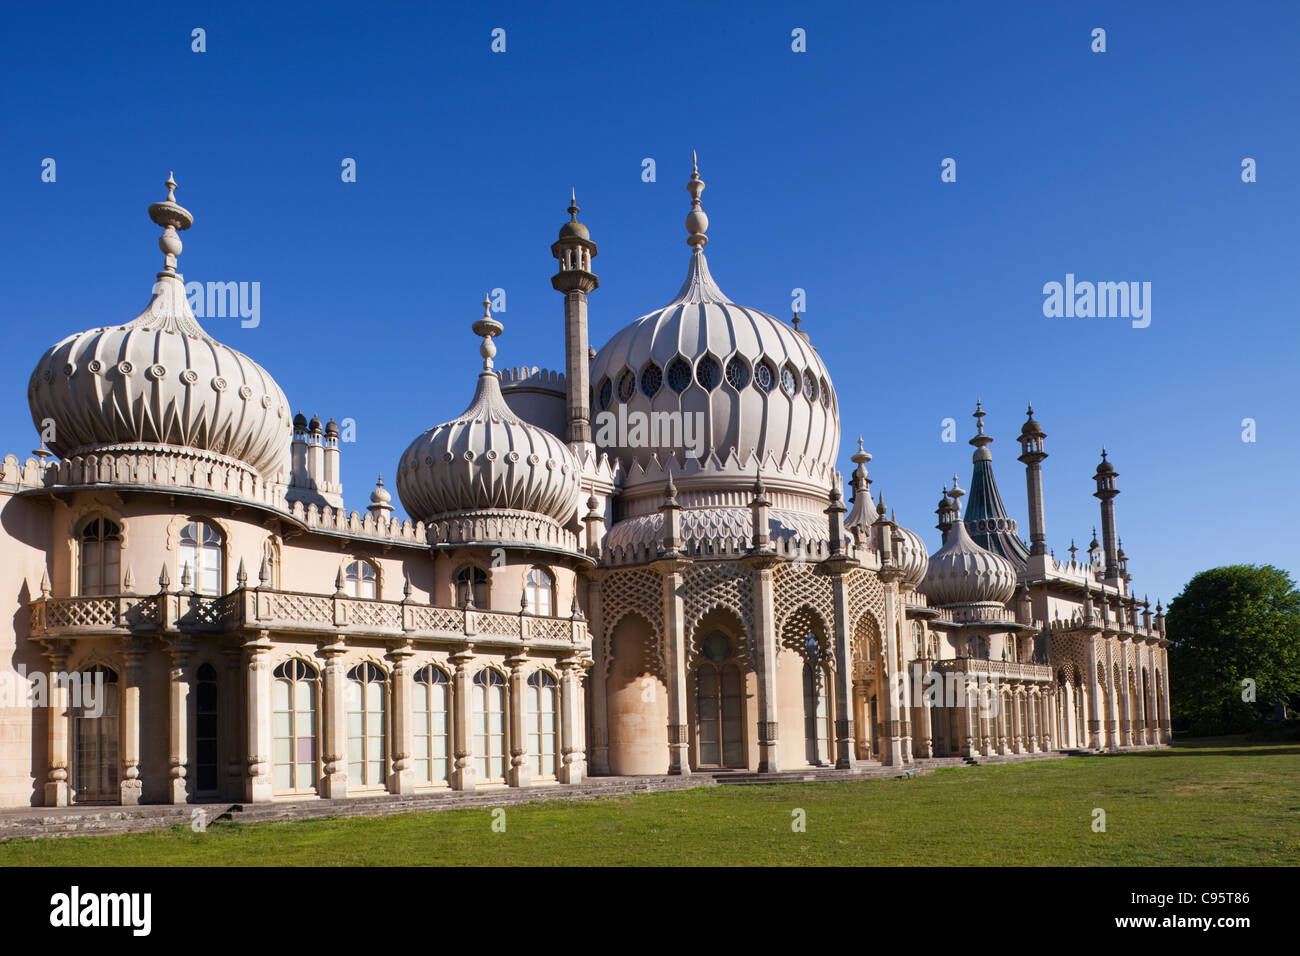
(198, 617)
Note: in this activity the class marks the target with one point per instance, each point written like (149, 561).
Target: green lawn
(1209, 802)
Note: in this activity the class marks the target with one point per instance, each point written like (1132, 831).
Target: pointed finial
(264, 572)
(796, 320)
(45, 584)
(1103, 452)
(241, 576)
(1030, 410)
(573, 209)
(1072, 549)
(489, 328)
(128, 581)
(406, 587)
(164, 579)
(172, 218)
(697, 223)
(186, 578)
(339, 589)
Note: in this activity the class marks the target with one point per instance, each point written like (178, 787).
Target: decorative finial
(1103, 452)
(573, 205)
(860, 457)
(796, 320)
(241, 576)
(1029, 412)
(978, 415)
(172, 218)
(489, 328)
(1072, 549)
(697, 223)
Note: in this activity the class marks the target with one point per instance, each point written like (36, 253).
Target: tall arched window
(201, 550)
(360, 580)
(294, 700)
(269, 573)
(101, 557)
(490, 724)
(816, 711)
(472, 577)
(95, 732)
(538, 592)
(542, 708)
(432, 725)
(979, 647)
(367, 726)
(206, 758)
(718, 705)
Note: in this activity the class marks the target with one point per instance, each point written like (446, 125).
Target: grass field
(1208, 802)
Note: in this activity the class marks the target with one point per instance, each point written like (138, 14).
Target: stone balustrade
(256, 609)
(1003, 670)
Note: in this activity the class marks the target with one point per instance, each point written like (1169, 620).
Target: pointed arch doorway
(719, 706)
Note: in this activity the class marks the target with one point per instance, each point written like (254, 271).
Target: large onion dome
(912, 557)
(752, 382)
(160, 383)
(487, 459)
(961, 572)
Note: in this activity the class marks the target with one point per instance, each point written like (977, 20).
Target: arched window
(269, 573)
(294, 706)
(101, 557)
(432, 725)
(201, 552)
(719, 713)
(472, 577)
(206, 758)
(918, 641)
(95, 732)
(360, 580)
(979, 647)
(490, 724)
(539, 590)
(367, 726)
(542, 709)
(816, 710)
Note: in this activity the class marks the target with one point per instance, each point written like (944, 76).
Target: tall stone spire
(1032, 454)
(1106, 492)
(574, 251)
(986, 517)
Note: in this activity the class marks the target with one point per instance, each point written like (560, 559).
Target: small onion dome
(912, 557)
(573, 228)
(1031, 428)
(488, 458)
(159, 383)
(331, 429)
(1105, 468)
(380, 495)
(961, 572)
(300, 422)
(315, 425)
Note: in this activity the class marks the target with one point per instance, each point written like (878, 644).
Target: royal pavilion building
(642, 564)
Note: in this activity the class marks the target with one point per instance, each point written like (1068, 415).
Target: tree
(1230, 626)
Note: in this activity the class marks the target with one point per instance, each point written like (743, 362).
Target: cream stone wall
(24, 543)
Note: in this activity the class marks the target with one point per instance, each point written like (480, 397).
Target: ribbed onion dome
(961, 572)
(160, 383)
(755, 383)
(488, 459)
(912, 557)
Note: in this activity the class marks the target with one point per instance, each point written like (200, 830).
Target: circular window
(651, 379)
(606, 393)
(626, 385)
(679, 375)
(789, 381)
(764, 377)
(716, 647)
(737, 373)
(809, 387)
(708, 372)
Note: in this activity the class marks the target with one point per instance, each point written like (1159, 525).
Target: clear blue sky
(822, 171)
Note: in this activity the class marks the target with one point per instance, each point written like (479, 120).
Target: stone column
(132, 786)
(1112, 699)
(599, 706)
(1035, 718)
(890, 676)
(845, 758)
(1166, 733)
(57, 790)
(1140, 704)
(1093, 737)
(520, 773)
(573, 767)
(1005, 722)
(675, 658)
(401, 779)
(334, 722)
(179, 722)
(1125, 703)
(464, 776)
(927, 719)
(259, 786)
(769, 760)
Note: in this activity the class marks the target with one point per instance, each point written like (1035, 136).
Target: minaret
(986, 517)
(1032, 454)
(1106, 492)
(574, 251)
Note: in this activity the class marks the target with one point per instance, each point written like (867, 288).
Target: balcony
(1002, 670)
(292, 612)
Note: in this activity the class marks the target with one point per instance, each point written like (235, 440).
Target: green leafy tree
(1231, 625)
